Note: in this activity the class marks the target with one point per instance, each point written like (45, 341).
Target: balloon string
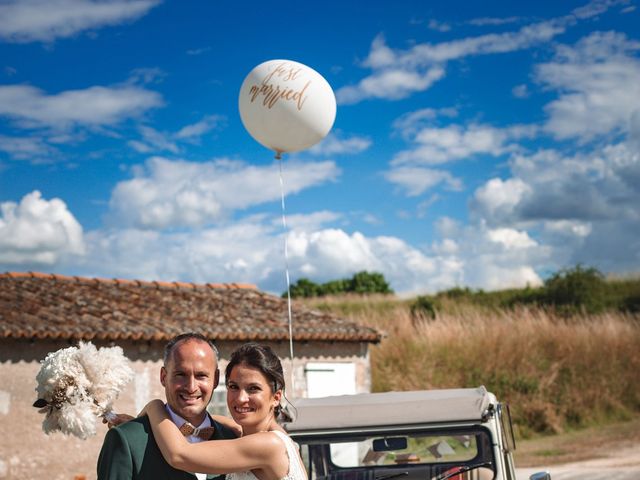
(286, 264)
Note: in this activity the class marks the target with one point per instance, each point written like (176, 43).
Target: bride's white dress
(296, 470)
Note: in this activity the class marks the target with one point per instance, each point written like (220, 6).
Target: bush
(457, 293)
(422, 307)
(631, 305)
(575, 290)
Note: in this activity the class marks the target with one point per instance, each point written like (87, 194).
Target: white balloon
(286, 106)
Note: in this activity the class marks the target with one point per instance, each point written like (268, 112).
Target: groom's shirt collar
(179, 421)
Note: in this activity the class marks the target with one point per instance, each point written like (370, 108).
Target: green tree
(334, 287)
(369, 282)
(303, 288)
(361, 283)
(576, 289)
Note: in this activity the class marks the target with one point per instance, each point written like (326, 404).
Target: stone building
(42, 313)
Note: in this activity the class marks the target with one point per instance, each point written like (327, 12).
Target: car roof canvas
(389, 408)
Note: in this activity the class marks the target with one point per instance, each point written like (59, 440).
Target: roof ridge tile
(124, 281)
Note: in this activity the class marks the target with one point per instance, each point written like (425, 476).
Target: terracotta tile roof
(36, 305)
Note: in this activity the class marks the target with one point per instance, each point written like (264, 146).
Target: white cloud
(582, 208)
(332, 253)
(437, 145)
(424, 54)
(154, 141)
(416, 180)
(325, 253)
(447, 246)
(380, 55)
(311, 221)
(491, 258)
(208, 123)
(499, 277)
(422, 210)
(520, 91)
(396, 74)
(484, 21)
(34, 149)
(165, 193)
(38, 232)
(526, 37)
(568, 228)
(68, 116)
(146, 76)
(599, 81)
(438, 26)
(371, 219)
(511, 239)
(336, 144)
(93, 106)
(390, 84)
(45, 20)
(409, 124)
(250, 250)
(497, 200)
(198, 51)
(580, 187)
(474, 256)
(246, 251)
(597, 7)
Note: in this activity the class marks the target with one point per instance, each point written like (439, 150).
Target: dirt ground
(604, 453)
(592, 444)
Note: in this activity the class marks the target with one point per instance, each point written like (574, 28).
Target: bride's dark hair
(262, 358)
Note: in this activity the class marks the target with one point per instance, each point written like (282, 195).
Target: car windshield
(331, 457)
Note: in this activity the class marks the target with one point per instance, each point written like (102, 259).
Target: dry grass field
(557, 373)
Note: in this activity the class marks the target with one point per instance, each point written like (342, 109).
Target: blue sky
(480, 144)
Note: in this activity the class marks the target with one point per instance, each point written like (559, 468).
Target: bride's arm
(218, 456)
(229, 423)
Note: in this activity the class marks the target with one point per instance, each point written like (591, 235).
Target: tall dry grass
(556, 373)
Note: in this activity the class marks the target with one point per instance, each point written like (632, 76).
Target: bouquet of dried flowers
(78, 384)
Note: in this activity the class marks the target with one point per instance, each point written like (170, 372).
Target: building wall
(27, 452)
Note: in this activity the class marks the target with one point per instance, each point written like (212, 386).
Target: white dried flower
(76, 384)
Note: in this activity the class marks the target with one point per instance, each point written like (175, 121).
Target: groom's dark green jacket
(130, 452)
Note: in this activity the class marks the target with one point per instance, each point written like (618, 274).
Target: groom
(189, 375)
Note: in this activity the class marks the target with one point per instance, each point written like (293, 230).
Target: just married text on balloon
(271, 101)
(273, 93)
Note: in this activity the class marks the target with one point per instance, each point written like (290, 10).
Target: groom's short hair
(183, 337)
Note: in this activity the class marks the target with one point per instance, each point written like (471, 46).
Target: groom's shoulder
(134, 428)
(221, 432)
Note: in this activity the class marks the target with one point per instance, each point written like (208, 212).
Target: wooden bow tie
(204, 433)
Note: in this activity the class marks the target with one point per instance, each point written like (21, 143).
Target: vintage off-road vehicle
(458, 434)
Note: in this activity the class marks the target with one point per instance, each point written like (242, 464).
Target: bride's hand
(229, 423)
(116, 419)
(156, 403)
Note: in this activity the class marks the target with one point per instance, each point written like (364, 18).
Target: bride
(255, 384)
